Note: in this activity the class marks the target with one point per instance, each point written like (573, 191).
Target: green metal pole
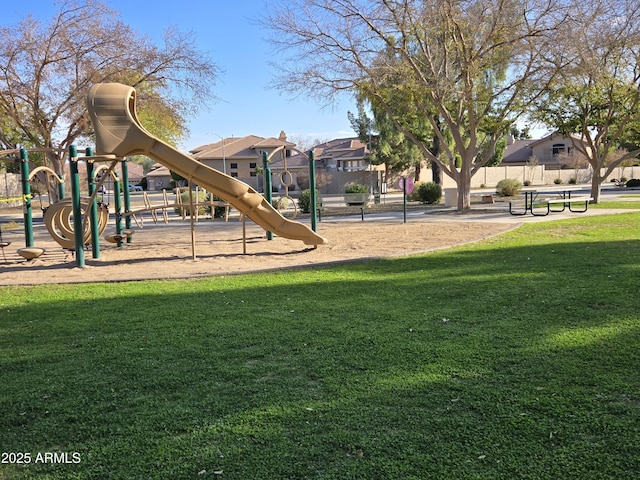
(312, 193)
(78, 232)
(267, 185)
(26, 192)
(404, 198)
(127, 196)
(118, 206)
(61, 189)
(93, 208)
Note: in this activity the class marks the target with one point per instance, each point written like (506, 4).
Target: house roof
(159, 172)
(294, 161)
(135, 171)
(353, 154)
(340, 147)
(518, 151)
(250, 146)
(521, 151)
(550, 137)
(272, 143)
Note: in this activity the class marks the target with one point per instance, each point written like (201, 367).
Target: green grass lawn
(514, 358)
(623, 204)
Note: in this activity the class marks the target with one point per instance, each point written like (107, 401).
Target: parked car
(135, 188)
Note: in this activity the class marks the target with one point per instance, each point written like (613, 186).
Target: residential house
(338, 162)
(553, 151)
(135, 173)
(240, 157)
(558, 151)
(342, 155)
(290, 172)
(158, 178)
(518, 152)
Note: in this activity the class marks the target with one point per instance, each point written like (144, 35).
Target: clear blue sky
(227, 30)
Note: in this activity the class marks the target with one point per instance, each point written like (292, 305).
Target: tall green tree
(596, 100)
(468, 68)
(389, 146)
(46, 69)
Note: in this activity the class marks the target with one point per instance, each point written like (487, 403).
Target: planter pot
(356, 198)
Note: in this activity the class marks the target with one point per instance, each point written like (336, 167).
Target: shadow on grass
(516, 358)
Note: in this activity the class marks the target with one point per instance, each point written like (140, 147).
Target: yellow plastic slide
(112, 108)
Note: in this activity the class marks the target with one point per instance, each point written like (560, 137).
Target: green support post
(78, 232)
(127, 196)
(61, 189)
(118, 207)
(404, 198)
(312, 193)
(267, 185)
(26, 192)
(93, 208)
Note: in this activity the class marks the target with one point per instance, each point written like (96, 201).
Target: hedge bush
(218, 212)
(430, 193)
(304, 201)
(508, 187)
(356, 188)
(203, 206)
(280, 203)
(415, 196)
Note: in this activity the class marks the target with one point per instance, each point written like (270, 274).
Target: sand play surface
(165, 251)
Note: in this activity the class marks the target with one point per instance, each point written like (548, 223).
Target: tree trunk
(57, 164)
(436, 173)
(463, 183)
(596, 183)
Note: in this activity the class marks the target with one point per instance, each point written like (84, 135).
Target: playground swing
(286, 203)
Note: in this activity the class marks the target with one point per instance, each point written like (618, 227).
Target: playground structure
(112, 108)
(77, 222)
(63, 218)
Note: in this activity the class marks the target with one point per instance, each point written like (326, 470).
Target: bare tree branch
(47, 68)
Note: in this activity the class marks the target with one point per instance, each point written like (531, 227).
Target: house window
(252, 165)
(234, 166)
(234, 174)
(558, 149)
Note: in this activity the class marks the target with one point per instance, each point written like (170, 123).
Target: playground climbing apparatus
(79, 221)
(112, 108)
(58, 218)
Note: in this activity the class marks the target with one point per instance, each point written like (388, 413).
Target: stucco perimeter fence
(488, 177)
(334, 182)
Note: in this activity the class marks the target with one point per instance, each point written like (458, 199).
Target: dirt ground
(165, 251)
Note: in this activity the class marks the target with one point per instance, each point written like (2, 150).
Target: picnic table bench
(544, 206)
